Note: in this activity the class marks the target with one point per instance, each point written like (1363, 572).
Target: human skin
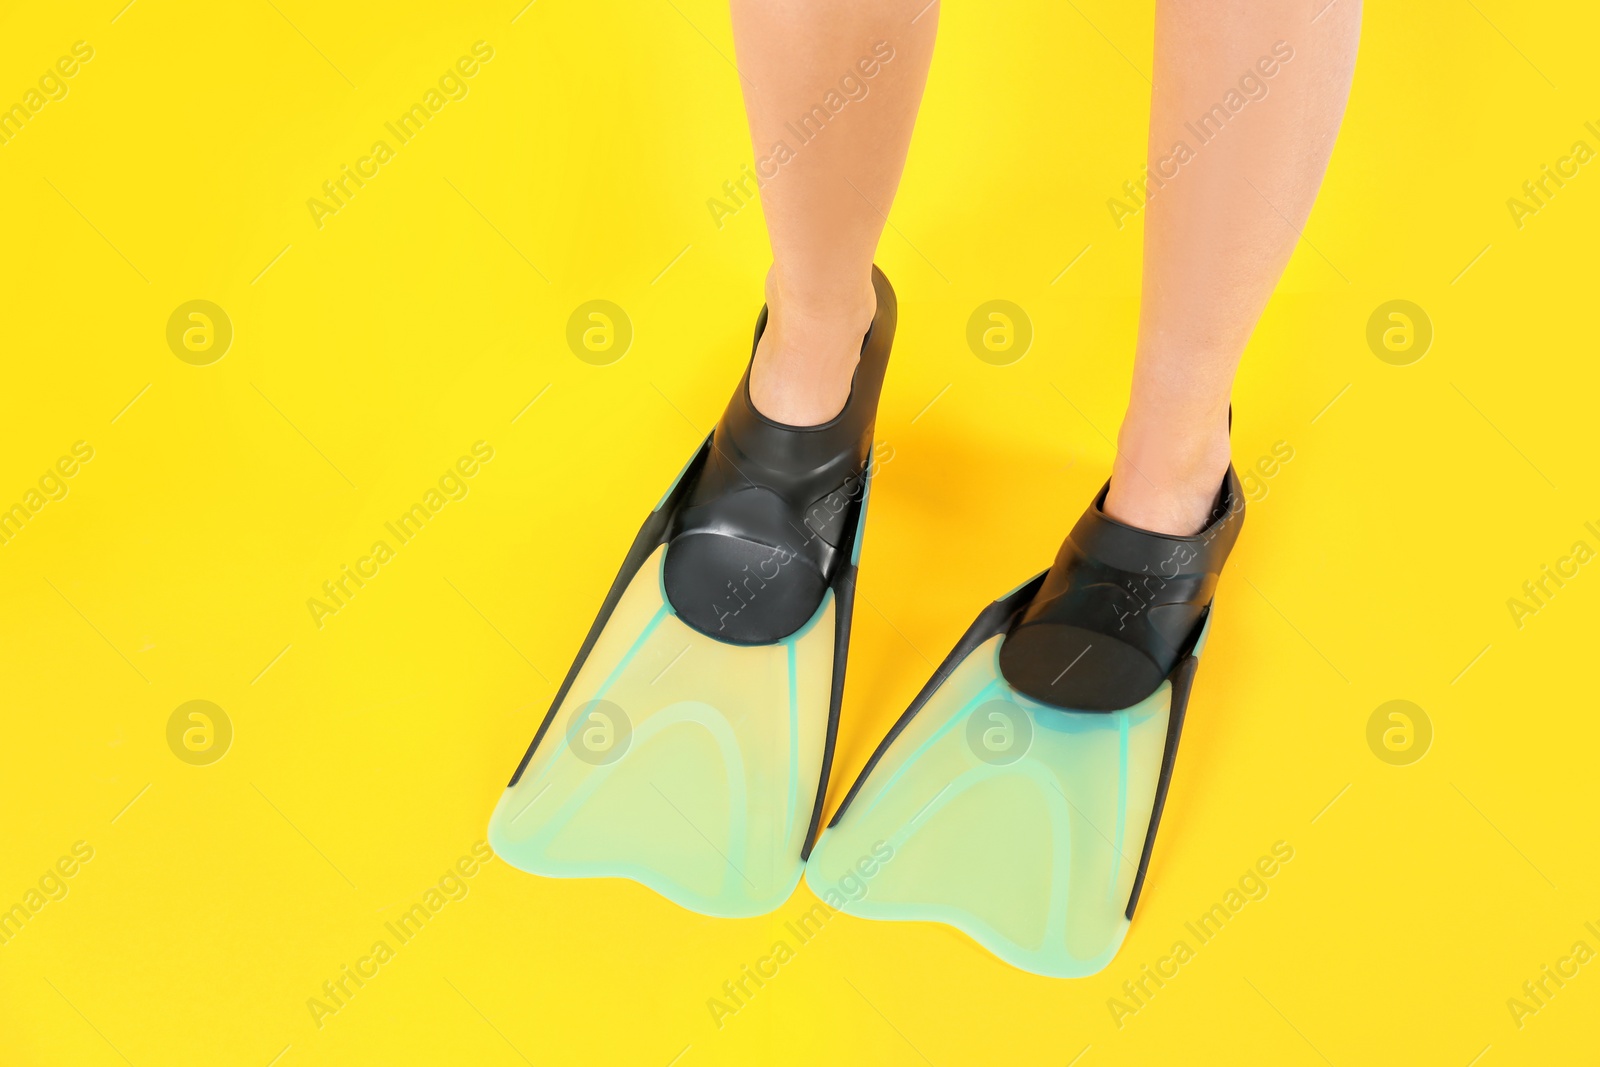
(827, 205)
(1219, 233)
(1219, 229)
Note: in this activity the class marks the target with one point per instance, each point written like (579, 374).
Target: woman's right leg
(1230, 195)
(831, 89)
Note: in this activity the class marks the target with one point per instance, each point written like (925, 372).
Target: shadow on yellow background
(183, 499)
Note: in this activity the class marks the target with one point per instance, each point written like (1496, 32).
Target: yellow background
(431, 310)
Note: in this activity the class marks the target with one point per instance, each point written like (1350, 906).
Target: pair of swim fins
(688, 748)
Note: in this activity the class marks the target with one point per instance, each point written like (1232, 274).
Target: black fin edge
(1182, 679)
(994, 619)
(843, 611)
(844, 607)
(655, 532)
(658, 530)
(652, 535)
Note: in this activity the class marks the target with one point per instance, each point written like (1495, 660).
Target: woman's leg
(1247, 101)
(832, 89)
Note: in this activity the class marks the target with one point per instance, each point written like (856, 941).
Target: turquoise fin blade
(1020, 824)
(678, 761)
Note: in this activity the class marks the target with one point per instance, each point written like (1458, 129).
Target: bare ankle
(1167, 474)
(805, 361)
(828, 303)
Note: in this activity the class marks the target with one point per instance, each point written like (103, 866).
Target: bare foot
(806, 359)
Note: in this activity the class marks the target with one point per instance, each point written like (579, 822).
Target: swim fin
(1017, 798)
(688, 746)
